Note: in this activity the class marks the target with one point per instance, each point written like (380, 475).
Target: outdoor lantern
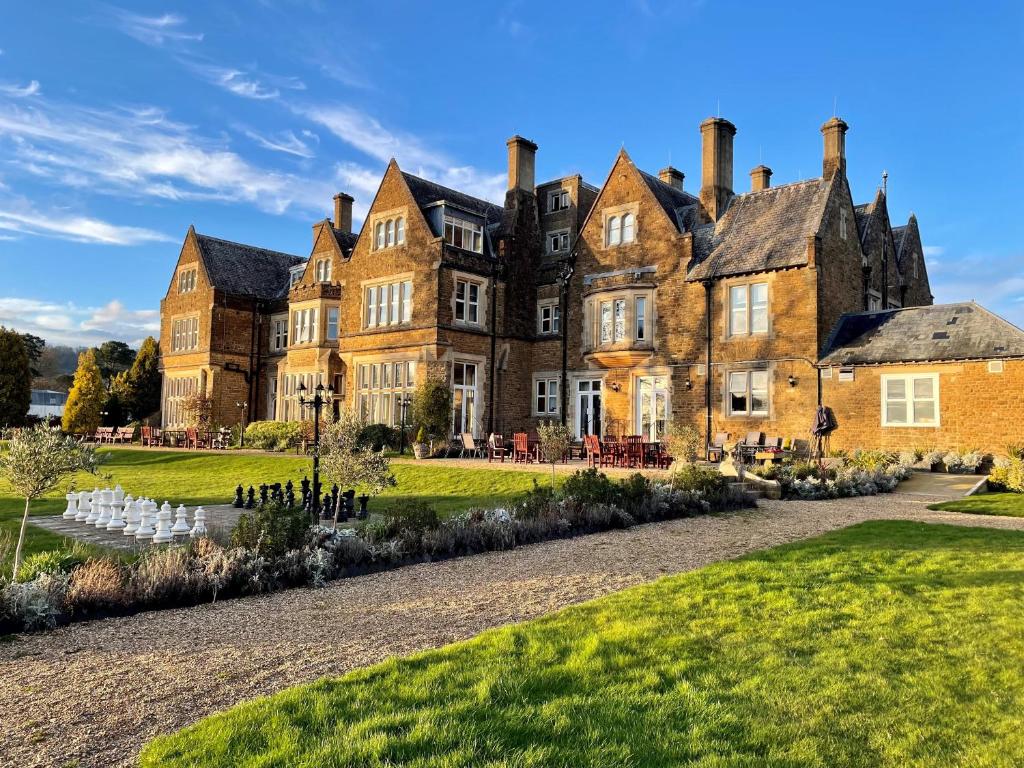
(792, 380)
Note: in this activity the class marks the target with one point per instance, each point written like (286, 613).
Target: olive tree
(343, 460)
(36, 460)
(555, 440)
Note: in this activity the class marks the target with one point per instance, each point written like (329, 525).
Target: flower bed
(863, 473)
(272, 549)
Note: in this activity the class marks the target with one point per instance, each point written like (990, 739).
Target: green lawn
(885, 644)
(210, 478)
(1002, 504)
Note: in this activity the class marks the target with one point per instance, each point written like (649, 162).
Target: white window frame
(748, 310)
(558, 201)
(466, 407)
(187, 280)
(304, 322)
(466, 228)
(748, 378)
(323, 270)
(279, 333)
(910, 400)
(874, 300)
(559, 236)
(546, 395)
(470, 307)
(549, 317)
(381, 384)
(387, 302)
(333, 328)
(295, 274)
(185, 334)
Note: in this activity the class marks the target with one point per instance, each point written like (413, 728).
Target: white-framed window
(558, 242)
(546, 396)
(176, 390)
(748, 393)
(558, 200)
(467, 301)
(332, 323)
(464, 398)
(272, 396)
(295, 274)
(304, 325)
(910, 400)
(613, 319)
(186, 281)
(641, 318)
(463, 233)
(748, 309)
(620, 229)
(842, 223)
(185, 334)
(387, 304)
(549, 317)
(387, 233)
(291, 410)
(279, 334)
(323, 270)
(380, 389)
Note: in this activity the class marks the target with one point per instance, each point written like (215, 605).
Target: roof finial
(885, 181)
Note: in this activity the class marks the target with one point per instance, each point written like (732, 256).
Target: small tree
(15, 379)
(555, 440)
(683, 442)
(85, 401)
(36, 460)
(345, 462)
(432, 403)
(198, 409)
(138, 388)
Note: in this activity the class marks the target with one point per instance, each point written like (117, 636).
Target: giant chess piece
(325, 507)
(94, 507)
(181, 526)
(250, 499)
(117, 513)
(350, 504)
(132, 515)
(118, 495)
(199, 529)
(163, 533)
(305, 492)
(263, 494)
(239, 502)
(72, 508)
(363, 512)
(146, 530)
(289, 495)
(83, 506)
(334, 501)
(106, 505)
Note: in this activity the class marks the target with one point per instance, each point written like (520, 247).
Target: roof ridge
(451, 189)
(817, 180)
(247, 245)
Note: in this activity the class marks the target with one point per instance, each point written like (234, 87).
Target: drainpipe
(494, 345)
(708, 286)
(564, 278)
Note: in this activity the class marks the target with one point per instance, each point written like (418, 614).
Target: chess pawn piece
(94, 507)
(199, 529)
(239, 502)
(118, 495)
(117, 522)
(263, 494)
(163, 525)
(72, 508)
(106, 505)
(83, 506)
(250, 499)
(181, 526)
(132, 515)
(146, 531)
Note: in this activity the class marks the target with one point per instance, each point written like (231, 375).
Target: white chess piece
(199, 529)
(94, 507)
(117, 522)
(83, 506)
(118, 494)
(71, 510)
(106, 506)
(132, 516)
(163, 525)
(181, 526)
(146, 531)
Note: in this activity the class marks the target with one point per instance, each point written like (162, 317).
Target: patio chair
(496, 448)
(521, 449)
(716, 448)
(747, 447)
(633, 455)
(469, 446)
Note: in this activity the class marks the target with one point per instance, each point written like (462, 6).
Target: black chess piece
(350, 507)
(239, 502)
(289, 496)
(264, 488)
(326, 506)
(305, 492)
(334, 500)
(363, 512)
(250, 502)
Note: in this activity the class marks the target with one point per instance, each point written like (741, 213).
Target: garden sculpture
(199, 529)
(132, 516)
(250, 500)
(239, 502)
(83, 506)
(94, 507)
(163, 525)
(106, 504)
(117, 511)
(145, 531)
(181, 526)
(72, 509)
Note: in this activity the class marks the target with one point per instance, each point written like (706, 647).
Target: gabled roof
(898, 235)
(673, 200)
(245, 270)
(427, 193)
(761, 231)
(346, 240)
(964, 331)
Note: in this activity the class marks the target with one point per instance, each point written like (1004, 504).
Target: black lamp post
(241, 405)
(321, 397)
(404, 404)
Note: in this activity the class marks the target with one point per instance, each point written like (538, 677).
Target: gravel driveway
(92, 694)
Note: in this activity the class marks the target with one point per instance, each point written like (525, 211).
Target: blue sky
(120, 125)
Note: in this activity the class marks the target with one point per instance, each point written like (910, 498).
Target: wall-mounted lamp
(792, 380)
(689, 384)
(615, 386)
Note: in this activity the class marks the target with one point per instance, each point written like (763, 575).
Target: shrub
(407, 521)
(588, 486)
(99, 584)
(271, 530)
(432, 403)
(35, 604)
(871, 460)
(1015, 450)
(1008, 475)
(693, 478)
(683, 442)
(536, 502)
(379, 436)
(273, 435)
(53, 561)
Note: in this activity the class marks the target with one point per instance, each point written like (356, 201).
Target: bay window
(463, 233)
(748, 393)
(304, 325)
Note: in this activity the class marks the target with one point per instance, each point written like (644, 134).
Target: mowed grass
(192, 478)
(1001, 504)
(884, 644)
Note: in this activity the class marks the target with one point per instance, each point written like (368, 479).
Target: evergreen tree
(138, 388)
(34, 346)
(82, 412)
(113, 357)
(15, 379)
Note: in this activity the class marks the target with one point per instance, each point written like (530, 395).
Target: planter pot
(420, 450)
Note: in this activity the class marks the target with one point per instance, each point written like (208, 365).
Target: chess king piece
(106, 506)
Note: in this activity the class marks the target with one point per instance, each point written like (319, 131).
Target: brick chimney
(834, 160)
(522, 156)
(760, 178)
(716, 166)
(343, 212)
(672, 176)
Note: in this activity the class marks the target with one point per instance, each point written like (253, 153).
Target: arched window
(391, 233)
(380, 234)
(627, 228)
(400, 230)
(614, 231)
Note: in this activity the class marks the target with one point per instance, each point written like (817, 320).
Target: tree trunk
(21, 541)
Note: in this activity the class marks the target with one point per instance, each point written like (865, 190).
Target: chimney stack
(672, 176)
(760, 178)
(522, 156)
(716, 166)
(834, 160)
(343, 212)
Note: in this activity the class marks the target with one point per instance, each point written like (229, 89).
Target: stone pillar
(716, 166)
(760, 178)
(522, 158)
(834, 160)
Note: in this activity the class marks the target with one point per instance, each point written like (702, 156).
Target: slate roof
(898, 234)
(964, 331)
(427, 193)
(762, 230)
(674, 201)
(245, 270)
(862, 215)
(346, 240)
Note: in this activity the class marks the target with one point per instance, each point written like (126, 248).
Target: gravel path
(92, 694)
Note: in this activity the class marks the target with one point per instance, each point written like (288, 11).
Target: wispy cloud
(247, 84)
(285, 141)
(20, 91)
(153, 30)
(69, 323)
(80, 229)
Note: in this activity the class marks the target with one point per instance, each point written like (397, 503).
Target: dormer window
(389, 233)
(323, 270)
(186, 281)
(558, 200)
(463, 234)
(620, 229)
(295, 274)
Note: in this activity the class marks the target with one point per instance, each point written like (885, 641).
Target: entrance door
(464, 398)
(652, 407)
(588, 407)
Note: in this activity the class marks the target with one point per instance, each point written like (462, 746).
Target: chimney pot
(760, 178)
(716, 166)
(834, 159)
(522, 157)
(672, 176)
(343, 212)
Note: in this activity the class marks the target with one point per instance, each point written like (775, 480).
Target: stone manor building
(617, 308)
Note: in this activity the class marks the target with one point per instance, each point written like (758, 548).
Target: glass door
(588, 407)
(652, 407)
(464, 398)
